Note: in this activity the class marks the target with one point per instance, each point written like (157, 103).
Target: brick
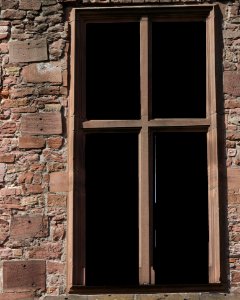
(30, 5)
(3, 36)
(31, 142)
(34, 188)
(231, 83)
(20, 93)
(43, 72)
(10, 191)
(13, 14)
(42, 123)
(24, 275)
(59, 182)
(28, 51)
(8, 103)
(46, 251)
(57, 200)
(23, 227)
(55, 142)
(7, 158)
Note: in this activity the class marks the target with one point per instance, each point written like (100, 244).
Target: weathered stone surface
(57, 200)
(7, 158)
(2, 171)
(23, 227)
(24, 275)
(28, 51)
(59, 182)
(31, 142)
(46, 251)
(55, 142)
(4, 231)
(13, 14)
(233, 176)
(42, 123)
(30, 5)
(17, 296)
(6, 4)
(43, 72)
(232, 83)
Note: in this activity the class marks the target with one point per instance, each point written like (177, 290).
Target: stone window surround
(75, 275)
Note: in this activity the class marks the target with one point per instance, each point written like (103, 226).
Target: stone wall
(34, 99)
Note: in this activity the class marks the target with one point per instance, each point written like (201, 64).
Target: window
(144, 173)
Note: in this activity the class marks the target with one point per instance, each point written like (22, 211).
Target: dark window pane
(179, 70)
(112, 79)
(181, 208)
(112, 209)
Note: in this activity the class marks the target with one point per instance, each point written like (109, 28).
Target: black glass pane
(181, 208)
(112, 71)
(112, 209)
(179, 70)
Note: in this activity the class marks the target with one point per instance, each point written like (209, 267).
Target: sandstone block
(3, 36)
(7, 158)
(4, 230)
(231, 83)
(6, 4)
(46, 251)
(55, 267)
(55, 142)
(233, 178)
(43, 72)
(13, 14)
(17, 296)
(57, 200)
(28, 51)
(23, 227)
(59, 182)
(42, 123)
(30, 5)
(31, 142)
(24, 275)
(2, 171)
(21, 92)
(34, 189)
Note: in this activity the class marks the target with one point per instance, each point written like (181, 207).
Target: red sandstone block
(8, 128)
(21, 92)
(43, 72)
(42, 123)
(231, 83)
(30, 5)
(233, 178)
(10, 191)
(55, 142)
(46, 251)
(17, 296)
(27, 51)
(57, 200)
(55, 267)
(31, 142)
(3, 36)
(34, 188)
(59, 182)
(23, 227)
(2, 171)
(4, 231)
(7, 158)
(3, 48)
(235, 276)
(24, 275)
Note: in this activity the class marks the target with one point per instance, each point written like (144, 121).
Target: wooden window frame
(78, 125)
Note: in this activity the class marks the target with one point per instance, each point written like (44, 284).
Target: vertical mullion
(144, 233)
(213, 194)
